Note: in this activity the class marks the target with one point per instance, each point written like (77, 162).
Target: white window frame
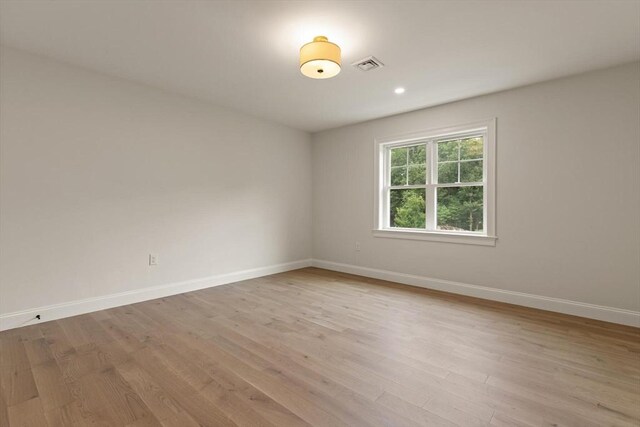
(488, 237)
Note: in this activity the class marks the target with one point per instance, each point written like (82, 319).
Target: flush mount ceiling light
(399, 90)
(320, 59)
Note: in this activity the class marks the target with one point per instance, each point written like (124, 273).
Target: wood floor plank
(107, 395)
(227, 380)
(4, 415)
(28, 413)
(349, 405)
(13, 356)
(419, 415)
(296, 399)
(52, 389)
(188, 397)
(191, 369)
(368, 378)
(313, 347)
(56, 339)
(38, 351)
(164, 407)
(17, 385)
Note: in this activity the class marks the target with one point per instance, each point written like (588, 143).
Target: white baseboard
(74, 308)
(592, 311)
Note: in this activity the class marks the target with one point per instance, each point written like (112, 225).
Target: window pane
(398, 156)
(417, 175)
(471, 148)
(448, 150)
(471, 171)
(407, 208)
(460, 208)
(447, 172)
(399, 175)
(418, 154)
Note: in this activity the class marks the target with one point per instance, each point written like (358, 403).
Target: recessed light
(399, 90)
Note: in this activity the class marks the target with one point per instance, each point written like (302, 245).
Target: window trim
(488, 237)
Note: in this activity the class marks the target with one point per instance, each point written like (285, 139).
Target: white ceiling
(243, 54)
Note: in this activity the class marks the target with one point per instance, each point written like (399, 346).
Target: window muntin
(460, 160)
(408, 165)
(436, 184)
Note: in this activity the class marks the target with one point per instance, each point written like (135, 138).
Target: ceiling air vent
(369, 63)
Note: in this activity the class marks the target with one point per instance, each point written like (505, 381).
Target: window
(438, 185)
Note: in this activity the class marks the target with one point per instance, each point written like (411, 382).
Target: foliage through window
(436, 183)
(459, 192)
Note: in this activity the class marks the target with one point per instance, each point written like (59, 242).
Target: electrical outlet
(357, 246)
(153, 259)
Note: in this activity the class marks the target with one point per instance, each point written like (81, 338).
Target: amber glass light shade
(320, 59)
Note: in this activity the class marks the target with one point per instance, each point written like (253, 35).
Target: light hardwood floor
(312, 347)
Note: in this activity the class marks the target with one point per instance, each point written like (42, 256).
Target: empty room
(319, 213)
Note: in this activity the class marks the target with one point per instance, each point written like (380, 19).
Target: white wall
(568, 192)
(98, 172)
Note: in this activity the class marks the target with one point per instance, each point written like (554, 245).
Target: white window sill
(437, 236)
